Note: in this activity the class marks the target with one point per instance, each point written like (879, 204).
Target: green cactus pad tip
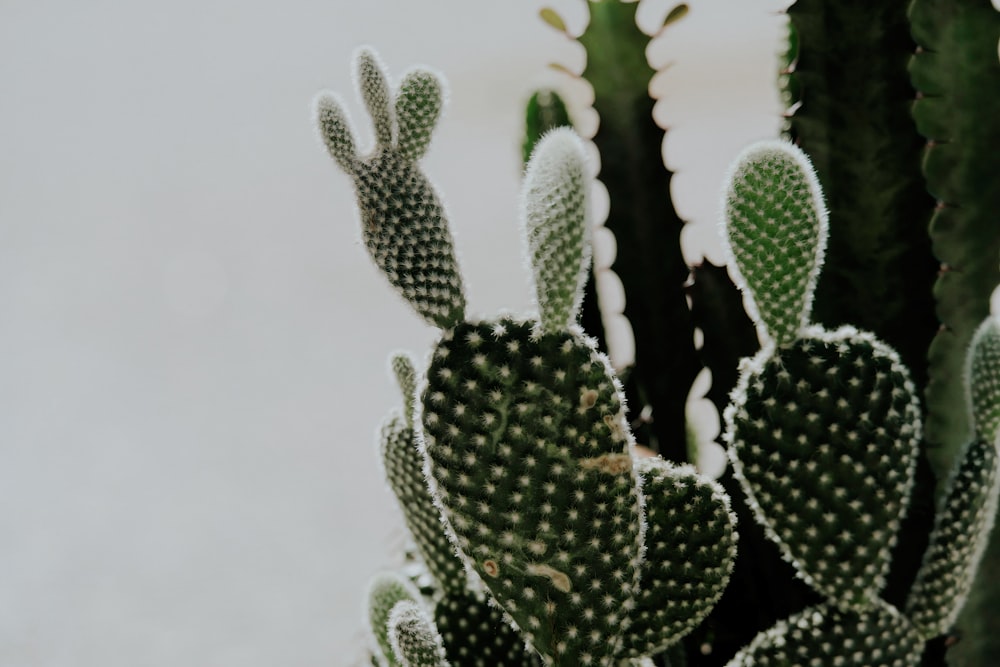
(775, 233)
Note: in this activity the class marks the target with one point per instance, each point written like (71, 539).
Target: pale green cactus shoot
(386, 591)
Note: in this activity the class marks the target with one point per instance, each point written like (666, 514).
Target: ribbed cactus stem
(775, 233)
(557, 226)
(403, 222)
(415, 640)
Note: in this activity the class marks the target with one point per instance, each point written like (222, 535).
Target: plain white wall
(192, 340)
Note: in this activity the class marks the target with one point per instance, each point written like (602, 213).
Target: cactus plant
(525, 448)
(546, 537)
(823, 432)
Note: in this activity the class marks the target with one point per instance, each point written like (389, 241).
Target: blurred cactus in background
(860, 386)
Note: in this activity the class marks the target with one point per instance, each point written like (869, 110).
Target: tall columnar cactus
(823, 431)
(851, 99)
(643, 220)
(528, 457)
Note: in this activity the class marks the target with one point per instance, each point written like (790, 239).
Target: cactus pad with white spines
(415, 640)
(476, 634)
(557, 226)
(402, 219)
(690, 550)
(823, 435)
(529, 453)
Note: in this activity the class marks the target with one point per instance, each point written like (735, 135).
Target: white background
(192, 340)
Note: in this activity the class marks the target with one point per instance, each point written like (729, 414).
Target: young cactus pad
(386, 591)
(402, 220)
(968, 511)
(823, 436)
(554, 207)
(825, 636)
(775, 232)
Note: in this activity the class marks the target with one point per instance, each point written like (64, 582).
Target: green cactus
(415, 641)
(404, 469)
(404, 225)
(386, 591)
(529, 458)
(957, 73)
(850, 92)
(643, 221)
(824, 635)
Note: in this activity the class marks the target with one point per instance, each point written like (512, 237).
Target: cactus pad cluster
(518, 447)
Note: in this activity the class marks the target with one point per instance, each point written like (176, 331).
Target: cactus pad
(823, 436)
(775, 231)
(529, 454)
(476, 635)
(402, 220)
(415, 640)
(404, 470)
(822, 635)
(557, 226)
(690, 549)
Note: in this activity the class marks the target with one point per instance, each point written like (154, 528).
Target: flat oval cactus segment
(476, 635)
(775, 232)
(823, 436)
(415, 641)
(529, 454)
(690, 550)
(404, 228)
(961, 533)
(823, 635)
(387, 590)
(404, 471)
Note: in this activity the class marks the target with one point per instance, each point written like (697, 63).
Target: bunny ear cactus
(823, 426)
(526, 454)
(403, 221)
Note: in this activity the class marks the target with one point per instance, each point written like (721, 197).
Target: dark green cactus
(823, 426)
(957, 74)
(851, 98)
